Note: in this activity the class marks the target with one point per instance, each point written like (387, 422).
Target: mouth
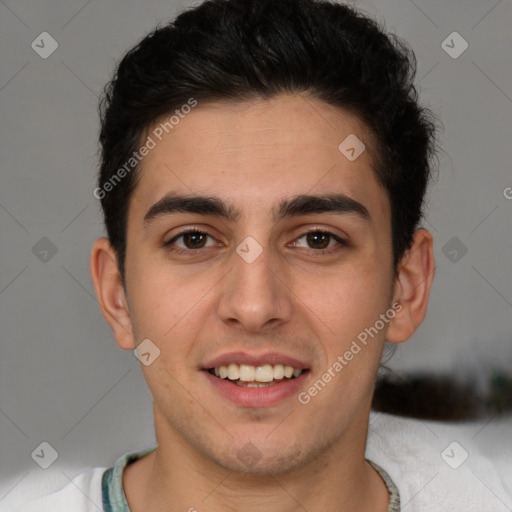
(263, 376)
(255, 380)
(250, 386)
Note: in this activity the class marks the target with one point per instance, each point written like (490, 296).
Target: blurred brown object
(442, 397)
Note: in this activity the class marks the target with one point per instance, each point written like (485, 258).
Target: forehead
(258, 152)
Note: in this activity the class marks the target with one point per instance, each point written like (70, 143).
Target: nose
(255, 295)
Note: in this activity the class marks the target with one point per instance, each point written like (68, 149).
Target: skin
(291, 299)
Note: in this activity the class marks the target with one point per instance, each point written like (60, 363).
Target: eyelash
(316, 252)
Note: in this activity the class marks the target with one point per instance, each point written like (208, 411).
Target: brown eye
(318, 240)
(190, 240)
(194, 240)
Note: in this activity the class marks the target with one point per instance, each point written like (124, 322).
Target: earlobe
(110, 292)
(412, 287)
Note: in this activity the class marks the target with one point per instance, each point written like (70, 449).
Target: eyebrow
(303, 204)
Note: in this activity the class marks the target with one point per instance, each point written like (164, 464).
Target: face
(286, 262)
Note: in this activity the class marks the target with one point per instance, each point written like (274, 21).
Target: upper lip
(255, 360)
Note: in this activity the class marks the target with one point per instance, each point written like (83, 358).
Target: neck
(177, 477)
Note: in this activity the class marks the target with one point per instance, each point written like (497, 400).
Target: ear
(110, 292)
(412, 287)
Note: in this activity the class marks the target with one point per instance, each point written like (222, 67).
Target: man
(264, 165)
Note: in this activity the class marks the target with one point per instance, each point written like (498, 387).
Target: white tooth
(223, 372)
(252, 385)
(264, 373)
(233, 373)
(278, 371)
(246, 373)
(288, 371)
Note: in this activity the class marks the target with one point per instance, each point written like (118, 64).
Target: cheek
(156, 302)
(349, 300)
(169, 307)
(345, 312)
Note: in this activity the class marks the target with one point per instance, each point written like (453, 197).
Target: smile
(255, 376)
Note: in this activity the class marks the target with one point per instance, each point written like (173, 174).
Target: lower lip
(257, 397)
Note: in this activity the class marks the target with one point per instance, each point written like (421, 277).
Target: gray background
(62, 377)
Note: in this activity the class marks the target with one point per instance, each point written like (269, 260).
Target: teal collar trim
(113, 497)
(394, 495)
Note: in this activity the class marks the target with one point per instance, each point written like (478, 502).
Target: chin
(254, 462)
(258, 456)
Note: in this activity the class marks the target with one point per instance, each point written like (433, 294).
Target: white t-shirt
(435, 466)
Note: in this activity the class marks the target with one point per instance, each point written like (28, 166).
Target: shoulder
(458, 466)
(82, 494)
